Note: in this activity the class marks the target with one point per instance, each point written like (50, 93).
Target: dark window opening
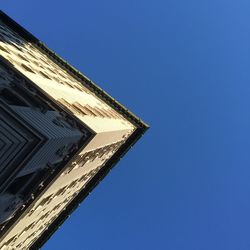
(11, 98)
(3, 49)
(45, 75)
(33, 100)
(27, 68)
(23, 58)
(27, 184)
(19, 183)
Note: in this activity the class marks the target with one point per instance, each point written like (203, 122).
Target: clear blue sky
(183, 66)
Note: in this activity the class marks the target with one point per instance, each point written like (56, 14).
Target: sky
(183, 67)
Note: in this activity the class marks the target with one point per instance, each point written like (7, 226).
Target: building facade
(60, 135)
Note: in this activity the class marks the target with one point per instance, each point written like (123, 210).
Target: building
(60, 135)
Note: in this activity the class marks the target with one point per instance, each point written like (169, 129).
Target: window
(3, 49)
(45, 200)
(61, 191)
(27, 68)
(17, 47)
(11, 98)
(44, 75)
(101, 112)
(23, 57)
(18, 185)
(78, 108)
(72, 184)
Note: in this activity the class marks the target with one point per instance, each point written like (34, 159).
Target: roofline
(73, 71)
(103, 172)
(141, 128)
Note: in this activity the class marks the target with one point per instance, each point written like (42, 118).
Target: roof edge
(76, 73)
(91, 185)
(141, 127)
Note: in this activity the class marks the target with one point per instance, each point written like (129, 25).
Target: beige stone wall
(59, 84)
(47, 208)
(111, 129)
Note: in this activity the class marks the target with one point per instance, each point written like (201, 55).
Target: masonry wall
(110, 127)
